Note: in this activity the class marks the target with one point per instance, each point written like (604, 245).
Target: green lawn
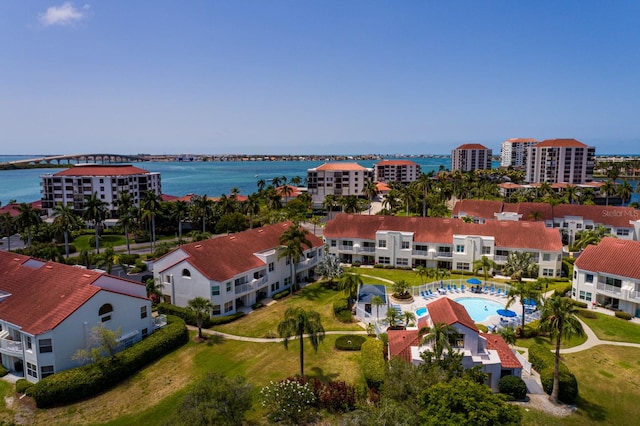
(264, 321)
(83, 241)
(615, 329)
(396, 275)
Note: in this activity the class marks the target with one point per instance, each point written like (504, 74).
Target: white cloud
(65, 14)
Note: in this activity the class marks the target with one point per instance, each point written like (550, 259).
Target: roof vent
(232, 237)
(49, 267)
(86, 275)
(260, 230)
(198, 245)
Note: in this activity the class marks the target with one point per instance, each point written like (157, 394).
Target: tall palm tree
(154, 288)
(95, 210)
(520, 264)
(377, 301)
(252, 207)
(328, 204)
(624, 191)
(202, 207)
(261, 184)
(27, 218)
(370, 190)
(150, 206)
(126, 218)
(422, 272)
(559, 317)
(523, 291)
(409, 319)
(286, 192)
(486, 265)
(298, 322)
(349, 283)
(571, 193)
(65, 220)
(407, 196)
(202, 308)
(438, 337)
(292, 241)
(350, 204)
(7, 227)
(607, 188)
(179, 211)
(295, 180)
(425, 185)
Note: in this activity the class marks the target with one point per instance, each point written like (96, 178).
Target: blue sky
(325, 76)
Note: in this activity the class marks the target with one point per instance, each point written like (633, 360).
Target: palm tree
(350, 204)
(295, 181)
(202, 207)
(523, 291)
(65, 220)
(422, 272)
(393, 317)
(95, 210)
(591, 236)
(252, 207)
(261, 184)
(349, 283)
(298, 322)
(377, 301)
(8, 226)
(536, 215)
(27, 218)
(150, 206)
(624, 191)
(293, 240)
(407, 196)
(520, 264)
(370, 190)
(571, 193)
(486, 265)
(438, 337)
(608, 188)
(154, 288)
(179, 211)
(409, 318)
(126, 218)
(425, 184)
(559, 317)
(202, 308)
(328, 204)
(286, 191)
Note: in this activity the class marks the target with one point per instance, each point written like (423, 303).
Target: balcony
(499, 258)
(11, 347)
(445, 254)
(610, 289)
(306, 263)
(634, 295)
(251, 285)
(420, 252)
(343, 247)
(368, 249)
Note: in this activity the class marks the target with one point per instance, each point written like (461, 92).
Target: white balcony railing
(10, 346)
(609, 288)
(499, 258)
(306, 263)
(343, 247)
(251, 285)
(420, 252)
(368, 249)
(445, 254)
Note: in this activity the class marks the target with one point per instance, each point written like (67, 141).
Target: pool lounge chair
(462, 288)
(486, 289)
(492, 291)
(432, 294)
(455, 288)
(449, 288)
(499, 292)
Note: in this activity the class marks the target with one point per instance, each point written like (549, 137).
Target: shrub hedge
(23, 386)
(587, 314)
(543, 361)
(340, 305)
(513, 386)
(345, 316)
(350, 342)
(186, 314)
(3, 371)
(373, 365)
(225, 319)
(281, 294)
(72, 385)
(623, 315)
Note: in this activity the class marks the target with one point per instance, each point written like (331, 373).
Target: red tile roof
(507, 358)
(396, 163)
(42, 297)
(450, 312)
(472, 146)
(102, 170)
(167, 197)
(510, 234)
(477, 208)
(522, 140)
(13, 210)
(400, 342)
(382, 187)
(340, 166)
(612, 256)
(224, 257)
(295, 191)
(560, 143)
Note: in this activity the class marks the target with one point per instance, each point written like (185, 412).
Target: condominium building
(72, 186)
(339, 179)
(48, 311)
(470, 157)
(440, 242)
(403, 171)
(234, 271)
(608, 275)
(560, 160)
(513, 152)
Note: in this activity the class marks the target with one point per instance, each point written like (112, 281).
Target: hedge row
(543, 361)
(373, 365)
(72, 385)
(350, 342)
(226, 319)
(3, 371)
(513, 386)
(623, 315)
(189, 316)
(281, 294)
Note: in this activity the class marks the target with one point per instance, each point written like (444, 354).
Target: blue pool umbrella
(474, 281)
(506, 312)
(530, 302)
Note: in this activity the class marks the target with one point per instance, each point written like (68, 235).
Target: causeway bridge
(79, 158)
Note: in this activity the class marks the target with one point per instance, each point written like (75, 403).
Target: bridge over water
(80, 158)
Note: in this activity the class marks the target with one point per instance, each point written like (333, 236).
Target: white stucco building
(72, 186)
(608, 274)
(440, 242)
(339, 179)
(233, 271)
(48, 310)
(513, 152)
(470, 157)
(560, 160)
(403, 171)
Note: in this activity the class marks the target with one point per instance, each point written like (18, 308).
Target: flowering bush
(288, 401)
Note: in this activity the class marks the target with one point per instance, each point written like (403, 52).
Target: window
(228, 307)
(105, 309)
(45, 346)
(578, 226)
(456, 340)
(587, 296)
(547, 272)
(575, 274)
(546, 257)
(334, 243)
(486, 250)
(167, 279)
(402, 261)
(32, 370)
(573, 291)
(28, 342)
(382, 243)
(384, 260)
(215, 290)
(588, 278)
(287, 281)
(459, 248)
(622, 232)
(143, 312)
(614, 282)
(228, 286)
(215, 310)
(46, 370)
(145, 332)
(288, 261)
(272, 266)
(186, 273)
(405, 244)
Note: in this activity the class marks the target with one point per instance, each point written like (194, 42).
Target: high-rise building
(339, 179)
(403, 171)
(470, 157)
(513, 152)
(560, 160)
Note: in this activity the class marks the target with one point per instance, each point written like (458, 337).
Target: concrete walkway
(264, 339)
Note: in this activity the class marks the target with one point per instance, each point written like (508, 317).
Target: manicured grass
(396, 275)
(608, 327)
(6, 390)
(264, 321)
(83, 241)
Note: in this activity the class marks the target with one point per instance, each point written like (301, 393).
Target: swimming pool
(420, 312)
(479, 308)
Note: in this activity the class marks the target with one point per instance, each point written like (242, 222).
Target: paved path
(262, 339)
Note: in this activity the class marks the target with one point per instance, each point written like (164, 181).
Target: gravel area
(542, 403)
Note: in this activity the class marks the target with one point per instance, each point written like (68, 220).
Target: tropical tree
(571, 193)
(330, 268)
(509, 335)
(377, 301)
(292, 241)
(95, 210)
(438, 337)
(350, 204)
(261, 183)
(409, 318)
(107, 259)
(126, 217)
(559, 318)
(349, 283)
(65, 220)
(179, 211)
(154, 288)
(422, 272)
(400, 289)
(7, 227)
(27, 218)
(370, 190)
(425, 184)
(486, 265)
(201, 307)
(607, 189)
(624, 191)
(393, 317)
(520, 264)
(591, 236)
(523, 291)
(150, 206)
(298, 322)
(286, 191)
(252, 207)
(328, 204)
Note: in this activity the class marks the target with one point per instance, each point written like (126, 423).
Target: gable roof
(518, 235)
(612, 256)
(42, 294)
(477, 208)
(472, 146)
(102, 170)
(450, 312)
(340, 166)
(521, 140)
(560, 143)
(507, 358)
(400, 342)
(368, 291)
(224, 257)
